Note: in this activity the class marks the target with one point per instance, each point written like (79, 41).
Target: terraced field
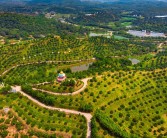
(134, 101)
(39, 121)
(158, 61)
(68, 49)
(32, 74)
(125, 100)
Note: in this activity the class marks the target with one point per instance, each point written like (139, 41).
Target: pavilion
(61, 76)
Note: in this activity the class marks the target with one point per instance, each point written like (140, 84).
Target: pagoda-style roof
(61, 72)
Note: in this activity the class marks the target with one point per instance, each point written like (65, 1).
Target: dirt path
(160, 45)
(85, 81)
(88, 116)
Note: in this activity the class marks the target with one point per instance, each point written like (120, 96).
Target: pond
(134, 61)
(82, 67)
(144, 33)
(108, 34)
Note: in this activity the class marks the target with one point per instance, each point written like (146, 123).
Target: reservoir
(82, 67)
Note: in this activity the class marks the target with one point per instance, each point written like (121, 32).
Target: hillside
(83, 69)
(23, 26)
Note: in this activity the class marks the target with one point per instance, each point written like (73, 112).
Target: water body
(144, 34)
(161, 16)
(134, 61)
(82, 67)
(108, 35)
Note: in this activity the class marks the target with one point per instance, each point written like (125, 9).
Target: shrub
(86, 107)
(91, 94)
(4, 133)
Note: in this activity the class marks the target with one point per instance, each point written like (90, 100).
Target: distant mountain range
(69, 1)
(103, 1)
(13, 1)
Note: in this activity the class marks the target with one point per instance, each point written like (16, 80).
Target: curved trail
(70, 61)
(88, 116)
(85, 81)
(160, 45)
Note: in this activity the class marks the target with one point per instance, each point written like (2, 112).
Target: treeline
(42, 97)
(50, 100)
(157, 62)
(69, 82)
(103, 64)
(94, 128)
(102, 16)
(110, 126)
(152, 24)
(104, 46)
(86, 107)
(18, 26)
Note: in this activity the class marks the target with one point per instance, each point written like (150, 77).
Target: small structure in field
(61, 76)
(15, 89)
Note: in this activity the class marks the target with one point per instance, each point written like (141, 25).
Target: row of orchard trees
(44, 98)
(65, 49)
(109, 125)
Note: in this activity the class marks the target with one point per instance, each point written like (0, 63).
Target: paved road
(88, 116)
(85, 81)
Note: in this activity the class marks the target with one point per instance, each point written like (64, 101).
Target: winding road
(88, 116)
(160, 45)
(85, 81)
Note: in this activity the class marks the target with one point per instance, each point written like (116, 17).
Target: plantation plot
(158, 61)
(33, 74)
(113, 90)
(71, 69)
(68, 86)
(43, 122)
(55, 48)
(135, 101)
(138, 110)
